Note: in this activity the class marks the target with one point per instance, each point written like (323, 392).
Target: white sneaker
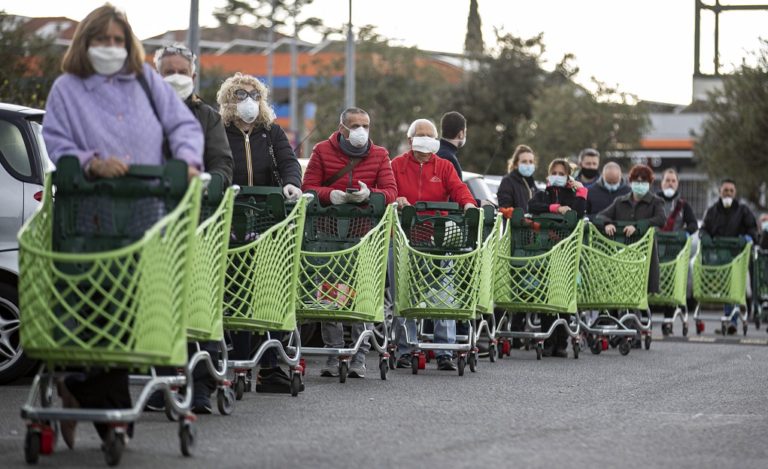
(331, 368)
(357, 368)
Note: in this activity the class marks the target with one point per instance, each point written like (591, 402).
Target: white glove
(338, 197)
(360, 196)
(291, 192)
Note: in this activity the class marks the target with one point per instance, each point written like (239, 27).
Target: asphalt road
(681, 404)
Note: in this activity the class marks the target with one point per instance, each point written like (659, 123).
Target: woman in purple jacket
(111, 110)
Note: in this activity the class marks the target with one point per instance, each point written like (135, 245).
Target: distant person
(606, 189)
(764, 231)
(453, 127)
(589, 162)
(679, 213)
(518, 186)
(729, 217)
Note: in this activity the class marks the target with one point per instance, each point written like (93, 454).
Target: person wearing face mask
(518, 186)
(680, 217)
(729, 217)
(262, 157)
(563, 194)
(589, 162)
(111, 110)
(346, 168)
(606, 189)
(422, 176)
(176, 64)
(764, 231)
(453, 128)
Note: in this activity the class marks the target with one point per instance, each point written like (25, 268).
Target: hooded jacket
(328, 159)
(433, 181)
(600, 197)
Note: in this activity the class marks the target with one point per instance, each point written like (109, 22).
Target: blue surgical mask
(765, 226)
(557, 181)
(612, 187)
(526, 169)
(640, 188)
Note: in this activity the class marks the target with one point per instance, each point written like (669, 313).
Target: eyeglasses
(241, 94)
(182, 51)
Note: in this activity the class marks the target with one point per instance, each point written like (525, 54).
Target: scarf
(350, 150)
(670, 223)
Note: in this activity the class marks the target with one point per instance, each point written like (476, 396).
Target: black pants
(559, 338)
(243, 347)
(101, 389)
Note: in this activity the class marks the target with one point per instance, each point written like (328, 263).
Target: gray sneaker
(357, 368)
(331, 368)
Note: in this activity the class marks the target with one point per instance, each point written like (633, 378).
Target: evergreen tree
(473, 43)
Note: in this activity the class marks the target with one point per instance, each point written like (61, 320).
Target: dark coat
(546, 201)
(685, 218)
(448, 151)
(515, 191)
(600, 198)
(650, 208)
(217, 158)
(259, 172)
(737, 220)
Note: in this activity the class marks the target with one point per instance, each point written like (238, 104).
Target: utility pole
(270, 55)
(349, 83)
(294, 94)
(193, 36)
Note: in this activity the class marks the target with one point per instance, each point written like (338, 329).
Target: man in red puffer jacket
(422, 176)
(348, 160)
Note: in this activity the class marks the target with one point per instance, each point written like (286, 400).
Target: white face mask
(462, 142)
(358, 137)
(248, 110)
(107, 60)
(425, 144)
(183, 85)
(669, 192)
(727, 201)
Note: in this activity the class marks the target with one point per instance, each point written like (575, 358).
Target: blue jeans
(727, 310)
(445, 333)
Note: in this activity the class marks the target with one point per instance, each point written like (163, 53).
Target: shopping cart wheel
(383, 368)
(295, 384)
(576, 349)
(648, 340)
(239, 387)
(113, 447)
(493, 353)
(225, 400)
(462, 365)
(343, 370)
(187, 434)
(392, 361)
(596, 347)
(32, 446)
(746, 326)
(723, 329)
(685, 330)
(472, 360)
(625, 346)
(699, 327)
(415, 364)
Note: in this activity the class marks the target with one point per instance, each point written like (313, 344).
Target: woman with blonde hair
(263, 157)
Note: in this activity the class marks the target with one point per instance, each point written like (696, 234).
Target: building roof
(56, 27)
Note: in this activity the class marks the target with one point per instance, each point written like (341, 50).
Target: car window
(48, 165)
(14, 151)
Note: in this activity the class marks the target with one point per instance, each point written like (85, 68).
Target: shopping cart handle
(444, 206)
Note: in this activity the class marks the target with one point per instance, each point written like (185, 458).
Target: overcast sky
(643, 46)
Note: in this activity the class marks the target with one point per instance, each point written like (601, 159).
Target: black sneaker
(273, 380)
(202, 406)
(732, 329)
(156, 402)
(445, 363)
(404, 361)
(560, 353)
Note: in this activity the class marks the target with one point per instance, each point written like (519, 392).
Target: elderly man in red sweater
(422, 176)
(346, 168)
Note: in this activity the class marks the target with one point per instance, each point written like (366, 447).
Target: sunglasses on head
(182, 51)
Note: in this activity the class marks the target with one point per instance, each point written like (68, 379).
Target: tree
(473, 42)
(28, 64)
(265, 13)
(395, 85)
(566, 118)
(734, 140)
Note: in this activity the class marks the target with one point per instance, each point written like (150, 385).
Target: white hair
(412, 129)
(160, 53)
(611, 165)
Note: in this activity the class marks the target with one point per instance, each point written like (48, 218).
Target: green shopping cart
(438, 273)
(103, 282)
(535, 271)
(674, 256)
(720, 275)
(613, 276)
(493, 228)
(759, 286)
(343, 272)
(261, 281)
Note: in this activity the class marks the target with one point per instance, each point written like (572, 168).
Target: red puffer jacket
(433, 181)
(327, 159)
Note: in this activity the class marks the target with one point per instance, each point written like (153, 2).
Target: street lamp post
(193, 36)
(349, 88)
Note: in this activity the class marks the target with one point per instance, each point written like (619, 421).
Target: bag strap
(346, 169)
(273, 164)
(145, 86)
